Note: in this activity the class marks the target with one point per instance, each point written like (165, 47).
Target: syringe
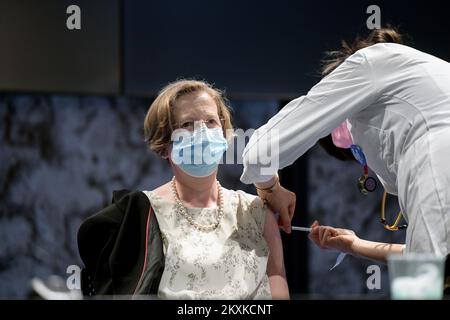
(301, 229)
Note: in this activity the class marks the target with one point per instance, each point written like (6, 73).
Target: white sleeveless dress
(227, 263)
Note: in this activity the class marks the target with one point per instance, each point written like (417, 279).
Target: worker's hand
(332, 238)
(281, 201)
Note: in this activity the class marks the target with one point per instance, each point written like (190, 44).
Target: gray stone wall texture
(62, 156)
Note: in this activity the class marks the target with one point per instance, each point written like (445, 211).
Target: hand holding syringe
(304, 229)
(340, 257)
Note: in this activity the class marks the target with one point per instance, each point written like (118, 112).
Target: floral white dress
(227, 263)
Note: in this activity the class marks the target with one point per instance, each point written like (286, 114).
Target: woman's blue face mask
(198, 152)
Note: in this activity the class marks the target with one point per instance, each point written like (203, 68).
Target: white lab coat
(397, 102)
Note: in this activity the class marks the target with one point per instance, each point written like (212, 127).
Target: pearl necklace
(181, 209)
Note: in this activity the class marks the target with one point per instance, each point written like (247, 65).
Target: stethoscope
(342, 138)
(367, 184)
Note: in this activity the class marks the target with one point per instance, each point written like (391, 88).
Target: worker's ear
(332, 150)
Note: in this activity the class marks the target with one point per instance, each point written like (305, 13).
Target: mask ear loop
(395, 226)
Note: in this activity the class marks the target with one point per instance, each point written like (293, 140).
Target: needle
(301, 229)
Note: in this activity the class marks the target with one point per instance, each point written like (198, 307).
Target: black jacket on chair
(121, 248)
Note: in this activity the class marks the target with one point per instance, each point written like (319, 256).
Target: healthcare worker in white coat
(395, 101)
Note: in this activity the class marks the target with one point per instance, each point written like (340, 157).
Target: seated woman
(217, 243)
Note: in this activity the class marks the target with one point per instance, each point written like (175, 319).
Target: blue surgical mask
(198, 153)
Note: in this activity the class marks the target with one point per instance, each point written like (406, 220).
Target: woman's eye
(187, 124)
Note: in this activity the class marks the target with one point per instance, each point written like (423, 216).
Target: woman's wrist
(355, 247)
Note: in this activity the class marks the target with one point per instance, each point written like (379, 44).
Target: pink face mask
(341, 136)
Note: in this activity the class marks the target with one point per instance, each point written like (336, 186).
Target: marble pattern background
(62, 156)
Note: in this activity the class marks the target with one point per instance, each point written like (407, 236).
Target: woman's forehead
(197, 103)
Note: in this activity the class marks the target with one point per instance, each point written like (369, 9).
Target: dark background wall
(72, 105)
(39, 53)
(251, 48)
(258, 48)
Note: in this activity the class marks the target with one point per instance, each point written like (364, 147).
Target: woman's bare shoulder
(163, 191)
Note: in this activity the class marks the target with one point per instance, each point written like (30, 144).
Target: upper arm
(275, 265)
